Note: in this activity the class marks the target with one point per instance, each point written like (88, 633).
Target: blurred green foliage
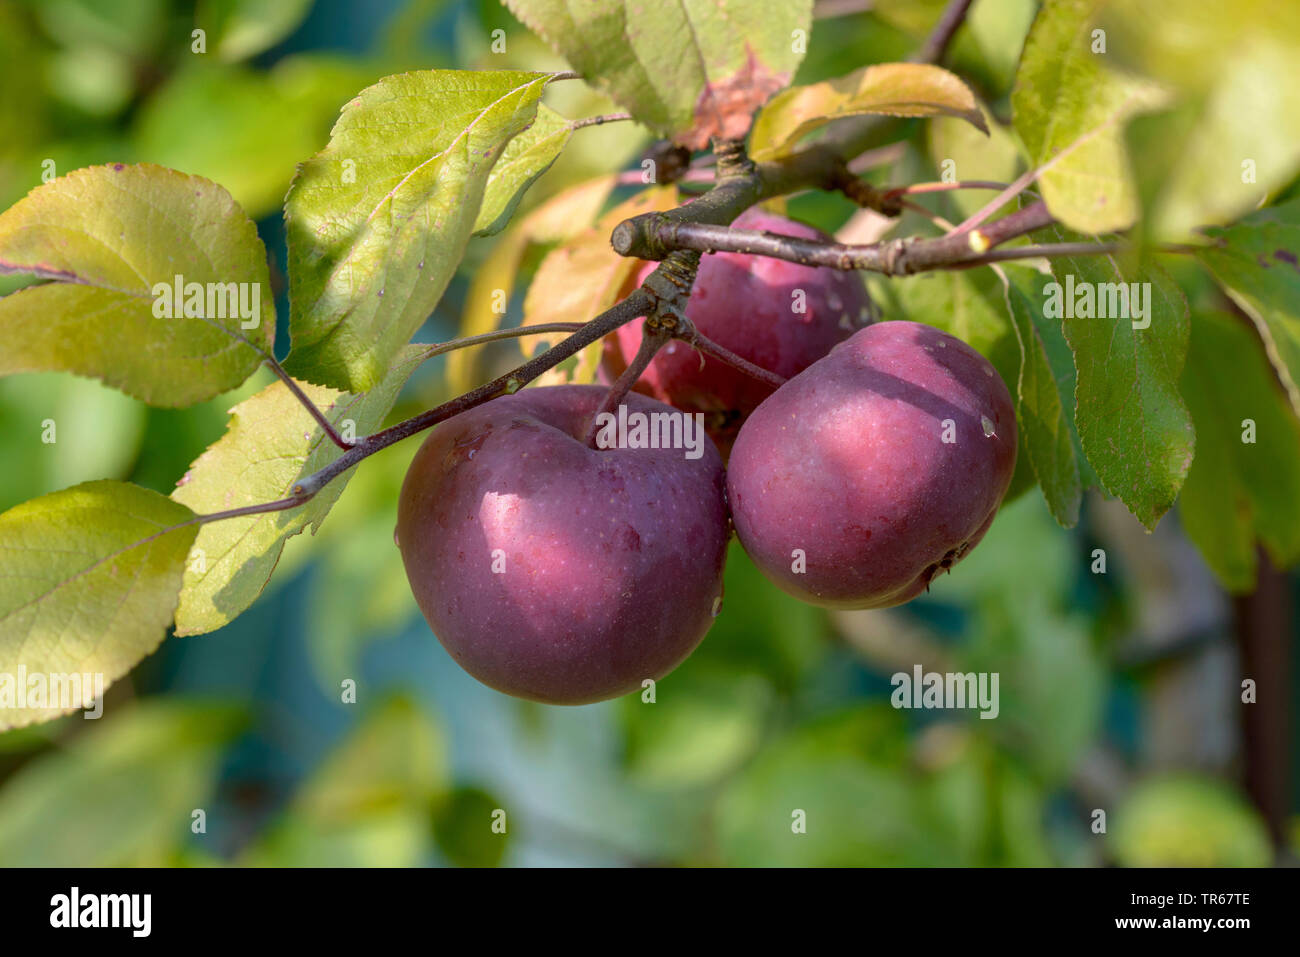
(773, 745)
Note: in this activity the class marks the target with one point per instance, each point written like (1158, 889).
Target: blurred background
(1120, 687)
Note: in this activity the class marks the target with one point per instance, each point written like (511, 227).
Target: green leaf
(1186, 821)
(1239, 492)
(379, 219)
(1234, 138)
(130, 28)
(1052, 683)
(761, 630)
(462, 829)
(257, 125)
(1065, 94)
(238, 29)
(1052, 680)
(108, 236)
(121, 794)
(358, 592)
(847, 776)
(96, 431)
(396, 754)
(991, 812)
(686, 70)
(703, 725)
(89, 586)
(1045, 421)
(1133, 424)
(526, 157)
(1258, 261)
(369, 802)
(956, 146)
(892, 89)
(271, 443)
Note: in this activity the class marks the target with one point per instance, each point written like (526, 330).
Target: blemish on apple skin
(118, 167)
(1287, 256)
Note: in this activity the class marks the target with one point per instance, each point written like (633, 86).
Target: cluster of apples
(563, 573)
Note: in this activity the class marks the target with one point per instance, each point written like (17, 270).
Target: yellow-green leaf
(379, 219)
(1244, 484)
(891, 89)
(121, 794)
(526, 157)
(1258, 262)
(686, 70)
(117, 240)
(1045, 421)
(1133, 424)
(88, 583)
(1066, 93)
(272, 442)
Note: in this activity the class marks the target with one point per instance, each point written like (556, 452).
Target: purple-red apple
(554, 571)
(875, 469)
(779, 315)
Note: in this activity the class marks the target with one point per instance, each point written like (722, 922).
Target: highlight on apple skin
(554, 571)
(874, 470)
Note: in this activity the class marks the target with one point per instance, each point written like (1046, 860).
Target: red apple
(875, 469)
(554, 571)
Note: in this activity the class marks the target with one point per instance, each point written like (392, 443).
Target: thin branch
(637, 304)
(997, 202)
(928, 214)
(936, 44)
(598, 120)
(653, 338)
(864, 194)
(942, 187)
(500, 334)
(896, 257)
(326, 425)
(1022, 181)
(635, 177)
(1042, 250)
(880, 156)
(723, 354)
(436, 350)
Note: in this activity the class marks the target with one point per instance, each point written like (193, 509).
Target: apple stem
(723, 354)
(653, 338)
